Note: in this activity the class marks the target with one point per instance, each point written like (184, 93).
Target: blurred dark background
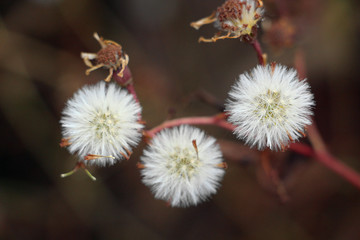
(40, 68)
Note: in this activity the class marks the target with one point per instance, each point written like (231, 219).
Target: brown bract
(109, 56)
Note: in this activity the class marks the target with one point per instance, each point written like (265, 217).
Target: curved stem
(320, 151)
(338, 167)
(329, 161)
(218, 120)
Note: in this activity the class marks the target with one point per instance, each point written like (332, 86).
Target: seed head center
(104, 124)
(271, 107)
(183, 162)
(109, 56)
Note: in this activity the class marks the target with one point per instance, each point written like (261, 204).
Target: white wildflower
(182, 166)
(100, 123)
(270, 107)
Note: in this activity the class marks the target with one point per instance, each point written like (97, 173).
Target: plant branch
(320, 151)
(218, 120)
(259, 52)
(127, 81)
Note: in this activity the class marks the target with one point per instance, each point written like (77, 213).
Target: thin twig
(258, 51)
(218, 120)
(320, 151)
(127, 81)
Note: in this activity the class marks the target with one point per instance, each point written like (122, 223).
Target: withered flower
(238, 18)
(110, 56)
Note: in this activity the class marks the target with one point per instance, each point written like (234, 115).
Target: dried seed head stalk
(238, 18)
(110, 56)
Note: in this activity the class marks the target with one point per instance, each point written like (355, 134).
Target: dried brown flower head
(238, 18)
(110, 56)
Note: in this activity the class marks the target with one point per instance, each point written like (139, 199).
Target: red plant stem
(217, 120)
(127, 81)
(321, 152)
(338, 167)
(321, 156)
(329, 161)
(302, 149)
(131, 90)
(259, 52)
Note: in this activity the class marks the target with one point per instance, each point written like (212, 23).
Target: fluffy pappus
(182, 166)
(100, 124)
(270, 107)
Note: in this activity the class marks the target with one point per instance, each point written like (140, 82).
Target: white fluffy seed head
(176, 173)
(270, 107)
(101, 119)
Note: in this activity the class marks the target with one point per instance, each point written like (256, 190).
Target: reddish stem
(302, 149)
(320, 151)
(127, 81)
(330, 162)
(338, 167)
(217, 120)
(259, 52)
(131, 90)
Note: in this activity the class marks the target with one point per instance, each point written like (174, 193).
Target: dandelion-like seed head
(270, 106)
(183, 162)
(238, 18)
(100, 124)
(182, 166)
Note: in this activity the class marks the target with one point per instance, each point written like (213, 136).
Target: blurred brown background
(40, 68)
